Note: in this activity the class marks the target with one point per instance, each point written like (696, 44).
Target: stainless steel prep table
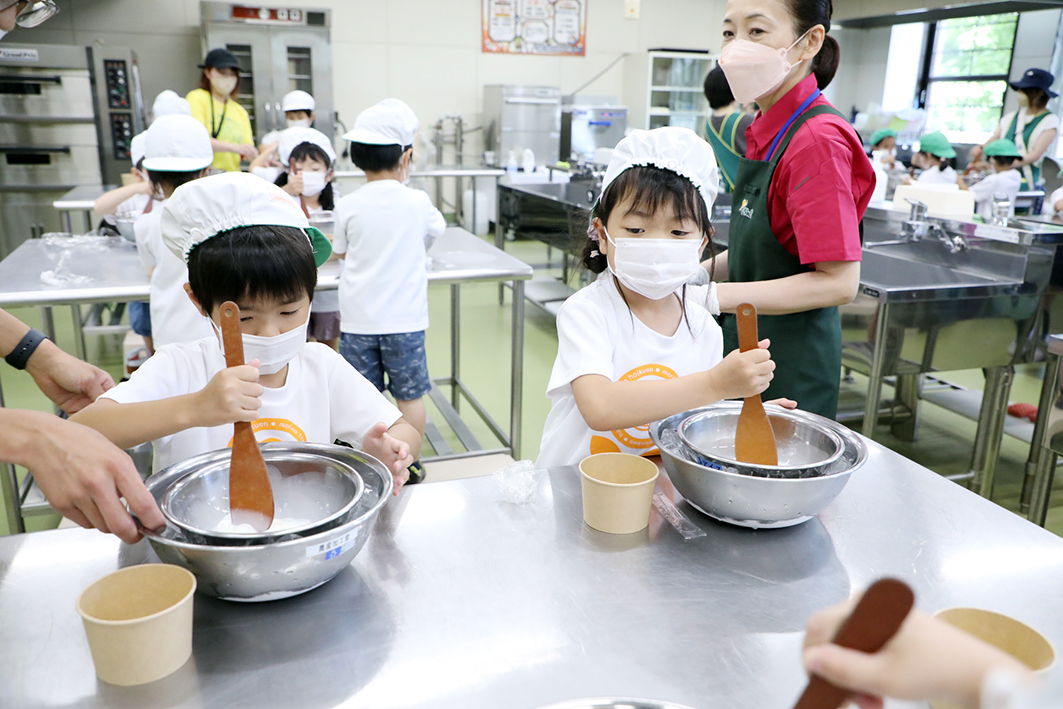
(80, 199)
(457, 257)
(461, 600)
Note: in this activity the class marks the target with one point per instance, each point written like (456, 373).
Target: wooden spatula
(250, 494)
(876, 619)
(754, 439)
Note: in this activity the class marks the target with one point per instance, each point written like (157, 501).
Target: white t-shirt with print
(173, 317)
(325, 301)
(381, 228)
(323, 399)
(598, 334)
(1006, 183)
(937, 176)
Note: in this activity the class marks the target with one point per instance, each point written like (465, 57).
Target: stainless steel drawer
(40, 133)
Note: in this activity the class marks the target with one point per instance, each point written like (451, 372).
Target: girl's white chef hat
(297, 135)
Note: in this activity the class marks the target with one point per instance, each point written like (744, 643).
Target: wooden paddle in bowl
(250, 493)
(754, 439)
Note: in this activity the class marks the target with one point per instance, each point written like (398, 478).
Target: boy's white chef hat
(297, 135)
(390, 122)
(177, 144)
(298, 101)
(168, 103)
(670, 148)
(136, 147)
(203, 208)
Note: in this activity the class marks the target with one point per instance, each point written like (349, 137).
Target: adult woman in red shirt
(794, 242)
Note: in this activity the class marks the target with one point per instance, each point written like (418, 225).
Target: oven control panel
(121, 134)
(116, 76)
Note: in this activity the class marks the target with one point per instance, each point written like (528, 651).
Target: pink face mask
(754, 70)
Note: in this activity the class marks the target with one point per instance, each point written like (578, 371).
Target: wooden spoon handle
(747, 327)
(876, 619)
(231, 337)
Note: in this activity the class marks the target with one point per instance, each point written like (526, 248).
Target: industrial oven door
(302, 60)
(253, 50)
(29, 92)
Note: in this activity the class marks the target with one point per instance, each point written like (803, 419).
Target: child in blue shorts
(380, 237)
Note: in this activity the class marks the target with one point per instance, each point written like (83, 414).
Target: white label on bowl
(330, 549)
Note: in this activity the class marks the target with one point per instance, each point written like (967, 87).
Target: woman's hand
(785, 403)
(742, 374)
(976, 153)
(232, 395)
(70, 383)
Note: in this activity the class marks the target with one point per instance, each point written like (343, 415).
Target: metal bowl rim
(164, 507)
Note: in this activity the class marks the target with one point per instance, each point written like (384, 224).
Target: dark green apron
(806, 347)
(723, 145)
(1027, 136)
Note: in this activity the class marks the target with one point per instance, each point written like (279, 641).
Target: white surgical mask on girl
(302, 122)
(223, 84)
(755, 70)
(313, 183)
(654, 268)
(272, 353)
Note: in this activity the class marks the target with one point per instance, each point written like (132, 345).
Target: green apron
(1027, 135)
(806, 347)
(723, 145)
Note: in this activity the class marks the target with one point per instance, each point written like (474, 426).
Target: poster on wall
(535, 27)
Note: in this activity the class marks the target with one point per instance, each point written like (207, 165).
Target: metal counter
(463, 601)
(80, 199)
(117, 275)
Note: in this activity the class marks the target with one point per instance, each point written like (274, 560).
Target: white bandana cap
(390, 122)
(298, 101)
(168, 103)
(295, 136)
(203, 208)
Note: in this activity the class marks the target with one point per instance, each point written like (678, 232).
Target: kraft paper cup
(617, 492)
(139, 622)
(1004, 633)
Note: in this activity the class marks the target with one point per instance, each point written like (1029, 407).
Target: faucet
(918, 226)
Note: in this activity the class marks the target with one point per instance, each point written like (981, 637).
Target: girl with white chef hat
(639, 344)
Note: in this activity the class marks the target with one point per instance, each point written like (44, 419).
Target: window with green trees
(966, 63)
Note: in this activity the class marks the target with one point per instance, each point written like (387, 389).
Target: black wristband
(20, 356)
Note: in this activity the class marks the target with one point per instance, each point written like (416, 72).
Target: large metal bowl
(747, 500)
(616, 703)
(284, 568)
(807, 446)
(123, 222)
(318, 491)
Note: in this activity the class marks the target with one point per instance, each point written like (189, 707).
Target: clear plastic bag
(518, 481)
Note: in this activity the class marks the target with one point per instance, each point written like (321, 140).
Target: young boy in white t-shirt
(1005, 180)
(380, 236)
(247, 241)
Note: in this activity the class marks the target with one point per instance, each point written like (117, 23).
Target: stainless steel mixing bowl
(123, 222)
(807, 446)
(616, 703)
(748, 500)
(306, 487)
(284, 568)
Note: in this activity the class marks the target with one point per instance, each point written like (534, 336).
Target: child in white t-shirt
(1004, 182)
(937, 159)
(247, 241)
(638, 344)
(177, 150)
(380, 236)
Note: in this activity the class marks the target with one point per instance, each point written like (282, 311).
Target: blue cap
(1035, 79)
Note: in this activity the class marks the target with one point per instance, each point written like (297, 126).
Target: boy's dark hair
(252, 262)
(377, 158)
(1004, 160)
(945, 162)
(300, 113)
(161, 179)
(717, 90)
(302, 152)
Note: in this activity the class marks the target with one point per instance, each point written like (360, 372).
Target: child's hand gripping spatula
(250, 493)
(754, 439)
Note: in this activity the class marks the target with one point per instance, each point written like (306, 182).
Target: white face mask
(302, 122)
(313, 183)
(755, 70)
(654, 268)
(223, 84)
(272, 353)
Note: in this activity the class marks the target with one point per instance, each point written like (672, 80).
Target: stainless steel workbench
(461, 600)
(80, 199)
(458, 257)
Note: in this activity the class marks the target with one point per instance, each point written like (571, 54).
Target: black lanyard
(214, 132)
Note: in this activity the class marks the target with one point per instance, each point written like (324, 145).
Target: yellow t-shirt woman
(228, 125)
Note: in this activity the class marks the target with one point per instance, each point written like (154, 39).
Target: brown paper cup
(139, 622)
(617, 492)
(1003, 632)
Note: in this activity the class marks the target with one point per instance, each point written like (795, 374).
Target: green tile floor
(943, 445)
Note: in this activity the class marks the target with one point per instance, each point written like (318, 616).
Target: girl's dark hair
(309, 150)
(945, 162)
(252, 262)
(1038, 97)
(204, 81)
(652, 189)
(377, 158)
(1004, 160)
(717, 90)
(807, 14)
(161, 179)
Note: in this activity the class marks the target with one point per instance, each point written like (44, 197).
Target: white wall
(862, 73)
(426, 52)
(1035, 38)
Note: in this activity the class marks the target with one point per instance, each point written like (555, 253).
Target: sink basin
(885, 274)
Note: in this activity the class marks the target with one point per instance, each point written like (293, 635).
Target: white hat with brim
(201, 209)
(168, 103)
(177, 143)
(298, 101)
(669, 148)
(291, 138)
(136, 148)
(390, 122)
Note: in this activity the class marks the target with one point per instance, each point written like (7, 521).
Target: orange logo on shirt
(280, 425)
(639, 436)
